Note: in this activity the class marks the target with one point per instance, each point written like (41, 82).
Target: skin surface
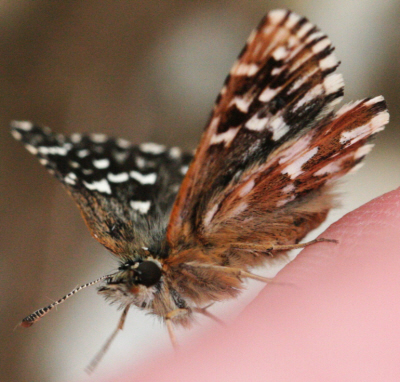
(339, 320)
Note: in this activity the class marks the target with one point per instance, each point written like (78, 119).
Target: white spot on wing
(83, 153)
(304, 30)
(74, 164)
(123, 143)
(313, 93)
(276, 16)
(54, 150)
(282, 202)
(328, 62)
(294, 169)
(268, 94)
(278, 128)
(100, 186)
(184, 170)
(226, 137)
(76, 138)
(241, 103)
(210, 214)
(32, 149)
(330, 168)
(175, 152)
(279, 53)
(140, 162)
(142, 207)
(241, 69)
(333, 83)
(288, 189)
(144, 179)
(256, 124)
(120, 157)
(70, 178)
(302, 80)
(345, 108)
(98, 138)
(101, 163)
(277, 70)
(22, 125)
(246, 188)
(314, 36)
(292, 20)
(16, 134)
(374, 100)
(250, 39)
(299, 146)
(152, 148)
(238, 209)
(373, 126)
(118, 178)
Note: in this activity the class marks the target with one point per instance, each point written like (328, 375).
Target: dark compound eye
(147, 273)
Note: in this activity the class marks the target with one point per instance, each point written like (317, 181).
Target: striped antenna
(36, 316)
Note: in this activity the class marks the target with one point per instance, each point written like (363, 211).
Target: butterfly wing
(273, 143)
(123, 191)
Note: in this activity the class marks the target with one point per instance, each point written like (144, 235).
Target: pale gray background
(142, 70)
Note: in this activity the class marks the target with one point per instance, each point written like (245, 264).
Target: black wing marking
(122, 190)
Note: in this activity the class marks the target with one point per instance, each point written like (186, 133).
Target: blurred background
(141, 70)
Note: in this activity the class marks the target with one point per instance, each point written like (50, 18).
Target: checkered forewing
(273, 143)
(122, 190)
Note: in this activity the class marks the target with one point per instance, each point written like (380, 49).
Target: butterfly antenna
(37, 315)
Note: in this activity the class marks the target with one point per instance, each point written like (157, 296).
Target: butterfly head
(142, 272)
(135, 282)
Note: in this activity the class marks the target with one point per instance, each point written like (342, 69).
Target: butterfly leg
(95, 361)
(168, 320)
(206, 313)
(242, 273)
(238, 272)
(275, 248)
(300, 245)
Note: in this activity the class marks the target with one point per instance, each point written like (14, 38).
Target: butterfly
(187, 230)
